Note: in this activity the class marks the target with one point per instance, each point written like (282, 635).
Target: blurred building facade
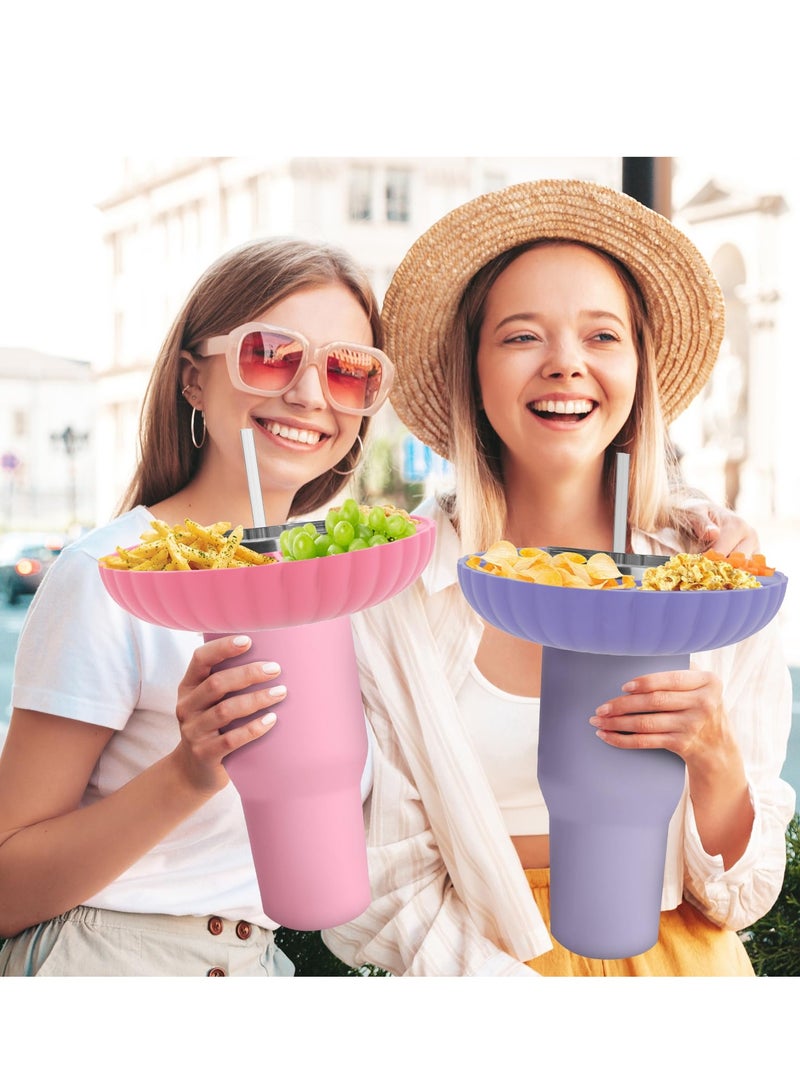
(47, 418)
(167, 221)
(738, 438)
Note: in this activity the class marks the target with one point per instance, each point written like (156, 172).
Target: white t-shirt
(83, 657)
(504, 728)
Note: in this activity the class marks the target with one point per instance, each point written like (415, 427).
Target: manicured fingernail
(601, 711)
(241, 641)
(629, 687)
(277, 691)
(270, 668)
(269, 719)
(594, 721)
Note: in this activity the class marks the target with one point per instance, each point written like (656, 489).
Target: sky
(52, 282)
(80, 91)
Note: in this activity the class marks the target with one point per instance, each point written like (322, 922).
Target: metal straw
(253, 482)
(621, 503)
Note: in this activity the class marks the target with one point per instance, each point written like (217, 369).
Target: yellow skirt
(689, 945)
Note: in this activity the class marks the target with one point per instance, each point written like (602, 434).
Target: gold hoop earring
(194, 438)
(354, 467)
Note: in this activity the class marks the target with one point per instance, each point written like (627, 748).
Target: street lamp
(649, 180)
(71, 442)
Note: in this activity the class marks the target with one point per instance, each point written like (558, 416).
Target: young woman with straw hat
(536, 332)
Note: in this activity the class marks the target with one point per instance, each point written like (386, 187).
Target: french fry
(225, 554)
(178, 558)
(186, 547)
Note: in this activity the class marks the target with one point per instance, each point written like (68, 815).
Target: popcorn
(696, 572)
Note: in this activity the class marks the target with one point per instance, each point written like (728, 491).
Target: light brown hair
(479, 503)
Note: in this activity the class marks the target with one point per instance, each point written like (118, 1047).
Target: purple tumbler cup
(609, 809)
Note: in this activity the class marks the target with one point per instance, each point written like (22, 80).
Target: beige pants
(87, 942)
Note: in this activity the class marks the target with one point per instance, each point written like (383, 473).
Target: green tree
(312, 958)
(773, 943)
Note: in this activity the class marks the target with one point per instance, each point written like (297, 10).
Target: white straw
(253, 483)
(621, 503)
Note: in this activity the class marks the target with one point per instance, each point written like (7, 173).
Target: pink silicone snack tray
(273, 595)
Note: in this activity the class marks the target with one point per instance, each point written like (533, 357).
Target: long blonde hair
(478, 503)
(235, 289)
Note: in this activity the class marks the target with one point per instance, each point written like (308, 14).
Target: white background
(83, 83)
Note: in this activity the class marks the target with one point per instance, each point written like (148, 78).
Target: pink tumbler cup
(300, 783)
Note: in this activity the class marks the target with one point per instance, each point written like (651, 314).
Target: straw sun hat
(683, 299)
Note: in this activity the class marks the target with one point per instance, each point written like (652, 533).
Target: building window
(237, 212)
(191, 228)
(123, 244)
(360, 199)
(398, 194)
(119, 335)
(115, 245)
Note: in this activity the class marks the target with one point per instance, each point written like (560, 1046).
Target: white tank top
(505, 731)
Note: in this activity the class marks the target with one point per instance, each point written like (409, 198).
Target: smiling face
(298, 436)
(557, 360)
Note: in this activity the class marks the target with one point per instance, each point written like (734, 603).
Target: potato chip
(565, 569)
(568, 558)
(502, 551)
(602, 567)
(534, 551)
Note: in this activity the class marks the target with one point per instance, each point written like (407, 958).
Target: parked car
(24, 560)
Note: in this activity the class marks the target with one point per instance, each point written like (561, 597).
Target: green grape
(395, 526)
(331, 519)
(303, 546)
(347, 528)
(321, 544)
(351, 512)
(343, 533)
(376, 520)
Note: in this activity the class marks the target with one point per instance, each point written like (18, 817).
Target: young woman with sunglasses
(123, 847)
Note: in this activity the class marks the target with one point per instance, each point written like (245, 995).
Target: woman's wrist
(193, 783)
(720, 795)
